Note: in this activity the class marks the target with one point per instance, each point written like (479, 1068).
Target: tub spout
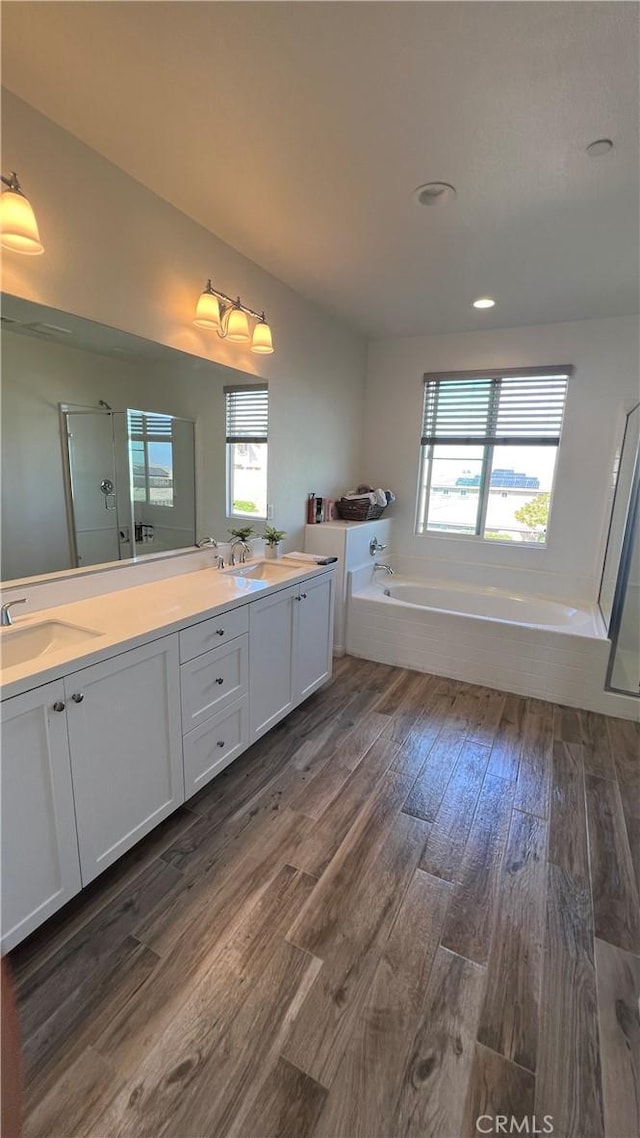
(382, 565)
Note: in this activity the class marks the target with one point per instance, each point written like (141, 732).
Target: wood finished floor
(413, 903)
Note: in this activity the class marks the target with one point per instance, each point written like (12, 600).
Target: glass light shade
(207, 311)
(238, 327)
(18, 224)
(262, 338)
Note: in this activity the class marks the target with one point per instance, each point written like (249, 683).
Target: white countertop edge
(150, 623)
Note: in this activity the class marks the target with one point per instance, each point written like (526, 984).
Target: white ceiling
(298, 131)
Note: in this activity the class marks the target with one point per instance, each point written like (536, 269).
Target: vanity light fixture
(18, 226)
(219, 313)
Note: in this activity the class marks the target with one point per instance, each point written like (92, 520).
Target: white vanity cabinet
(126, 749)
(92, 762)
(40, 865)
(290, 649)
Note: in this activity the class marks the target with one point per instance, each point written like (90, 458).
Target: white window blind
(247, 414)
(149, 423)
(523, 408)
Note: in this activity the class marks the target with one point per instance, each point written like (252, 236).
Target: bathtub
(492, 604)
(533, 646)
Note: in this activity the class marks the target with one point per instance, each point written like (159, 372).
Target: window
(489, 447)
(151, 457)
(247, 417)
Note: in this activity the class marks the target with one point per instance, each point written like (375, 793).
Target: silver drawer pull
(219, 680)
(58, 705)
(219, 631)
(77, 696)
(220, 743)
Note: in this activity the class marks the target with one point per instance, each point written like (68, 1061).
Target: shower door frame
(66, 409)
(624, 564)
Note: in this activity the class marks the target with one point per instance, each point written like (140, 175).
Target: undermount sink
(19, 645)
(262, 571)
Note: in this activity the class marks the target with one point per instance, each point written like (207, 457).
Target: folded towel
(352, 496)
(314, 558)
(380, 497)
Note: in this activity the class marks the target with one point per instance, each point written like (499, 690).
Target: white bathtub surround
(522, 643)
(349, 542)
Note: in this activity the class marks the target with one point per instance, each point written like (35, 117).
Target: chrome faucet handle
(5, 611)
(207, 543)
(219, 562)
(376, 546)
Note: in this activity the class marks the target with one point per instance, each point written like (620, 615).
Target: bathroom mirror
(102, 444)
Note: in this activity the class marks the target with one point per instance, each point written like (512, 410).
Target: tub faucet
(382, 565)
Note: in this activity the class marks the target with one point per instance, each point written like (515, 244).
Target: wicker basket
(361, 510)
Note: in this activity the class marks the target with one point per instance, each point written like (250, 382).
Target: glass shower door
(93, 487)
(620, 588)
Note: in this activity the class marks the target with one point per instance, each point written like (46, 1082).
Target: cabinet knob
(219, 631)
(58, 705)
(219, 680)
(78, 696)
(220, 743)
(303, 596)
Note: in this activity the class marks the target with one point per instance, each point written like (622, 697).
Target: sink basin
(262, 571)
(19, 645)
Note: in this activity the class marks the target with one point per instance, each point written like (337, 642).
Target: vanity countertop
(128, 617)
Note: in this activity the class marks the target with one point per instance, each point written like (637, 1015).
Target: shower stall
(619, 597)
(129, 482)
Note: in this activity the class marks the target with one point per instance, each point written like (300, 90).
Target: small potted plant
(243, 533)
(272, 538)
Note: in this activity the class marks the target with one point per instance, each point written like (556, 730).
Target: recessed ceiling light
(434, 193)
(483, 302)
(599, 147)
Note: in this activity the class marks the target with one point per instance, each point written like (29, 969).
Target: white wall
(606, 361)
(116, 253)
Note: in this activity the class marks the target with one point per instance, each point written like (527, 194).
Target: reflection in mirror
(99, 458)
(129, 483)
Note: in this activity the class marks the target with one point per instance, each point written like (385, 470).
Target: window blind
(524, 407)
(142, 424)
(247, 412)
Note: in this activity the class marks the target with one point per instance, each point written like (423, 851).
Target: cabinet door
(270, 659)
(313, 631)
(126, 749)
(40, 866)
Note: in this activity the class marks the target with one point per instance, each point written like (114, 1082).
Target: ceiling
(298, 131)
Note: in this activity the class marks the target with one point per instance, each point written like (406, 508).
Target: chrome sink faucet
(5, 612)
(207, 543)
(383, 565)
(244, 549)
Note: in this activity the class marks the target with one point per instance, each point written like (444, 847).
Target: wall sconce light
(18, 226)
(219, 313)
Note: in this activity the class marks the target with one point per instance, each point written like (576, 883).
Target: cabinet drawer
(212, 633)
(211, 682)
(210, 748)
